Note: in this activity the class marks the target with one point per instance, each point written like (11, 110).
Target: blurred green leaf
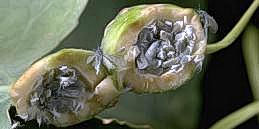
(30, 29)
(250, 46)
(4, 105)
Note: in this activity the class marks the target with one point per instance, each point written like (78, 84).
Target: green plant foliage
(4, 105)
(29, 30)
(251, 54)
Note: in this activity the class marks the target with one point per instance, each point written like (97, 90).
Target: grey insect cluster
(58, 91)
(165, 46)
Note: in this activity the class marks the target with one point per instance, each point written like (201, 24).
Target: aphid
(176, 68)
(189, 32)
(169, 23)
(165, 36)
(152, 51)
(162, 24)
(161, 54)
(96, 59)
(147, 35)
(178, 25)
(208, 21)
(99, 59)
(142, 62)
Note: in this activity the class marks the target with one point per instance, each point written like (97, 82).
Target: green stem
(235, 32)
(239, 116)
(250, 46)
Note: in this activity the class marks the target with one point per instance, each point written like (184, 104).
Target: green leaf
(250, 46)
(31, 28)
(4, 105)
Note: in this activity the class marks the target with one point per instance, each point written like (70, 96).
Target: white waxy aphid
(198, 58)
(180, 36)
(169, 23)
(159, 63)
(65, 81)
(170, 62)
(34, 98)
(186, 59)
(161, 54)
(165, 36)
(188, 50)
(189, 31)
(178, 25)
(170, 54)
(166, 46)
(142, 62)
(153, 28)
(64, 68)
(176, 68)
(152, 50)
(209, 23)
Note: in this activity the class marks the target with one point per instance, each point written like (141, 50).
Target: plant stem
(235, 32)
(238, 116)
(250, 46)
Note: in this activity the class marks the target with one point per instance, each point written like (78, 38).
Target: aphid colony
(58, 91)
(166, 46)
(163, 45)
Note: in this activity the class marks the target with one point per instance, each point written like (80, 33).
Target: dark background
(225, 87)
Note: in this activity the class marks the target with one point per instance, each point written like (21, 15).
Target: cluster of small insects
(162, 46)
(59, 91)
(166, 46)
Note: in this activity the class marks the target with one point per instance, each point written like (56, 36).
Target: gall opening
(60, 90)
